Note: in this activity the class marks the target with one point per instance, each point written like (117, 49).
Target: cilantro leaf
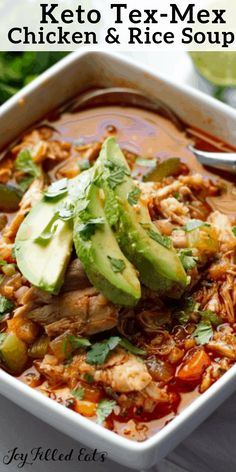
(57, 189)
(117, 173)
(187, 259)
(25, 164)
(87, 229)
(187, 307)
(177, 195)
(99, 351)
(234, 230)
(203, 332)
(194, 224)
(118, 265)
(78, 393)
(72, 343)
(104, 409)
(6, 305)
(209, 315)
(88, 378)
(163, 240)
(131, 348)
(116, 178)
(134, 195)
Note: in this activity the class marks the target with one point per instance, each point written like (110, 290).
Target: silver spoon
(219, 160)
(128, 96)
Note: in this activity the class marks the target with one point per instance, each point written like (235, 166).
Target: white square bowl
(68, 78)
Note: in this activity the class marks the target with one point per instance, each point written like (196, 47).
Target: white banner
(66, 25)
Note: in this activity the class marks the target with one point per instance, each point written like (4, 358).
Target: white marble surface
(211, 448)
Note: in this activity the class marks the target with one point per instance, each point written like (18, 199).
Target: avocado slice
(43, 260)
(154, 256)
(106, 266)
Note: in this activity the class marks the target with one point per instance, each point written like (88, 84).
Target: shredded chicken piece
(130, 375)
(51, 369)
(41, 147)
(81, 311)
(225, 235)
(224, 343)
(176, 211)
(179, 239)
(213, 373)
(33, 194)
(147, 399)
(29, 199)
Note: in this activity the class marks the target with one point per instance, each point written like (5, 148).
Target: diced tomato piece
(85, 408)
(193, 367)
(93, 394)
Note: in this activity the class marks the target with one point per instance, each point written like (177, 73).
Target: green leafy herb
(78, 393)
(134, 195)
(194, 224)
(88, 378)
(118, 265)
(72, 343)
(116, 177)
(117, 173)
(131, 348)
(188, 260)
(163, 240)
(209, 315)
(25, 164)
(203, 332)
(57, 189)
(146, 162)
(6, 306)
(19, 68)
(187, 308)
(2, 262)
(104, 409)
(99, 351)
(177, 195)
(87, 229)
(234, 230)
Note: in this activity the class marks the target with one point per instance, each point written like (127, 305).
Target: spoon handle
(220, 160)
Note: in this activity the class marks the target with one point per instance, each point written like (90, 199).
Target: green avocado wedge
(106, 266)
(153, 254)
(44, 241)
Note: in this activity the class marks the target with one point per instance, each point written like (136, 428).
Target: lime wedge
(219, 68)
